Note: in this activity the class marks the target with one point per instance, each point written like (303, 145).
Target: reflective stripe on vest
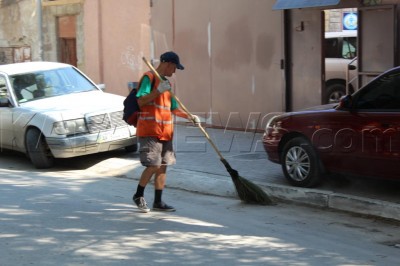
(159, 106)
(154, 119)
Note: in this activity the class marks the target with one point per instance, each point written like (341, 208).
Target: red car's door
(368, 144)
(367, 134)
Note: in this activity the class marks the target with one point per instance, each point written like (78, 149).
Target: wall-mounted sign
(350, 21)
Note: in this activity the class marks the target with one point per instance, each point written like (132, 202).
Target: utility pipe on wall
(40, 27)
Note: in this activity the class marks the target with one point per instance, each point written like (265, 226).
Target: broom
(247, 191)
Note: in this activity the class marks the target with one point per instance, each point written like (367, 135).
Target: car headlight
(70, 127)
(273, 127)
(271, 123)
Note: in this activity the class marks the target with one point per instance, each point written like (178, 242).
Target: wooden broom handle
(184, 109)
(172, 94)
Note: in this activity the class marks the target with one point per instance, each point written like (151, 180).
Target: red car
(359, 136)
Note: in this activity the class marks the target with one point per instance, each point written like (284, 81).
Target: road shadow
(373, 188)
(15, 160)
(87, 161)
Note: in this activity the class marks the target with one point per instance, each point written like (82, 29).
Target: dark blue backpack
(131, 106)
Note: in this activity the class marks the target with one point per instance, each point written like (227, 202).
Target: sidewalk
(199, 169)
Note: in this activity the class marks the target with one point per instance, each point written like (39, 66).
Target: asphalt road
(73, 216)
(80, 213)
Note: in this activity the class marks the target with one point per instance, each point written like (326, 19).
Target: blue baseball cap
(173, 58)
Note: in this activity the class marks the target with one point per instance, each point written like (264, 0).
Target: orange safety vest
(155, 119)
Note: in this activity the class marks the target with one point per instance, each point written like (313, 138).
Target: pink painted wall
(117, 35)
(231, 51)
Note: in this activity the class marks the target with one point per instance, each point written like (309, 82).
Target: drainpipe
(40, 27)
(287, 63)
(173, 25)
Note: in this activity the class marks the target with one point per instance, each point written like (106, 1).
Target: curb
(336, 201)
(211, 184)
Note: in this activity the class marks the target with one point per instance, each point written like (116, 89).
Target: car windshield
(349, 50)
(49, 83)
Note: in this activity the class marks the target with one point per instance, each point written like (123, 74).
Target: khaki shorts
(154, 152)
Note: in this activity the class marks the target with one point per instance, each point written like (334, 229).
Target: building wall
(111, 39)
(306, 39)
(232, 55)
(53, 10)
(232, 51)
(116, 39)
(19, 28)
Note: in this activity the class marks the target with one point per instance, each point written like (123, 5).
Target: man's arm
(145, 99)
(180, 113)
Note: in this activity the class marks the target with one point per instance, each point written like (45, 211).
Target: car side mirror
(352, 67)
(4, 102)
(102, 86)
(346, 102)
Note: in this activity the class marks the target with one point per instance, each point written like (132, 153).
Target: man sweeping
(155, 130)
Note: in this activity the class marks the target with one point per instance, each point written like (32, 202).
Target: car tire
(300, 163)
(37, 149)
(334, 92)
(131, 148)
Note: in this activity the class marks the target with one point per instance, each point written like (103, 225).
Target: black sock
(139, 191)
(157, 195)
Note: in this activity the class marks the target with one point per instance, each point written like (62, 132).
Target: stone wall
(18, 32)
(20, 36)
(50, 35)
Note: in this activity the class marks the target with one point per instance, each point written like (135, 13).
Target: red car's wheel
(300, 163)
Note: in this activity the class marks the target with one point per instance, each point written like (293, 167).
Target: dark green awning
(290, 4)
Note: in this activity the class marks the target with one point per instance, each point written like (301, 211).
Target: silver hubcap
(297, 163)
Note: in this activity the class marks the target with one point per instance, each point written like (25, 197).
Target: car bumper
(91, 143)
(271, 146)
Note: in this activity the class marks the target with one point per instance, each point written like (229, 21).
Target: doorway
(339, 53)
(67, 40)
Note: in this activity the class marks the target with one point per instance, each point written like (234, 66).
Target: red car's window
(383, 94)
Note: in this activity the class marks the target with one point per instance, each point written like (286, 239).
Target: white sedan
(52, 110)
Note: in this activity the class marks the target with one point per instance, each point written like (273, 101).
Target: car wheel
(131, 148)
(334, 93)
(37, 149)
(300, 163)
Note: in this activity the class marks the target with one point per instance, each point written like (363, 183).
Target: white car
(340, 51)
(52, 110)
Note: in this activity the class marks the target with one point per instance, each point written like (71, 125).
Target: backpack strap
(151, 77)
(153, 80)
